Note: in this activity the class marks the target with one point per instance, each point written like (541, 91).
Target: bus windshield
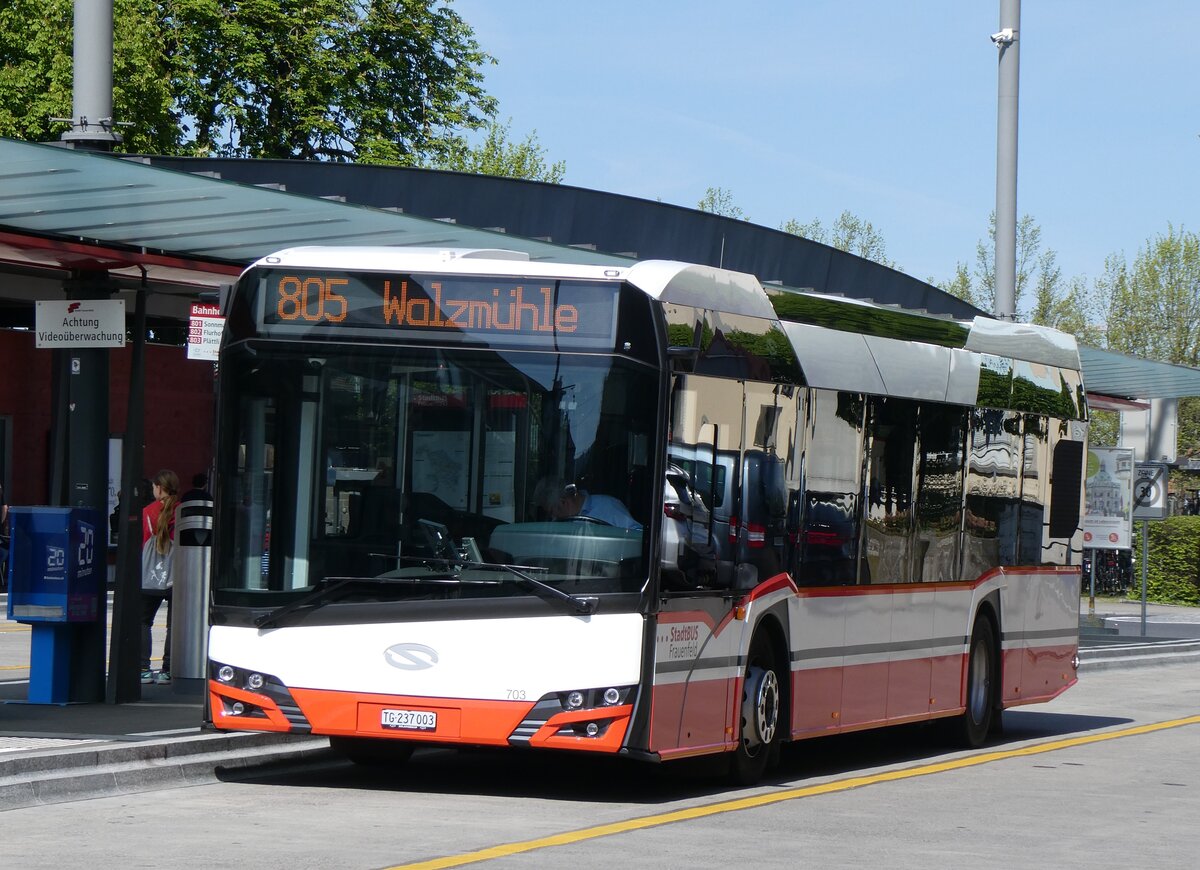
(431, 473)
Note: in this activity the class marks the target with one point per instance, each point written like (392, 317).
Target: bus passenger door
(697, 641)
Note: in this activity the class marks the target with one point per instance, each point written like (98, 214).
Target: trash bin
(56, 569)
(189, 589)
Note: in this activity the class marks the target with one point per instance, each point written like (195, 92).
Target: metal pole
(1007, 40)
(1145, 566)
(1091, 583)
(92, 109)
(125, 643)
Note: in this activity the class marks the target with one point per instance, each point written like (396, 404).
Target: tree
(849, 233)
(36, 73)
(385, 81)
(496, 155)
(979, 288)
(1154, 303)
(1068, 307)
(718, 200)
(1063, 304)
(961, 286)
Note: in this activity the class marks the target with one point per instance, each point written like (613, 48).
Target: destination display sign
(438, 308)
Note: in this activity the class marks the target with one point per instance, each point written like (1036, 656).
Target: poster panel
(1108, 518)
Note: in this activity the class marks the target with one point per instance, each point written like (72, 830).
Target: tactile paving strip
(24, 744)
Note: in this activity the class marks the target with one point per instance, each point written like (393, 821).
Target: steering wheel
(584, 518)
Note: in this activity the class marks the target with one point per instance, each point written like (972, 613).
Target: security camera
(1007, 36)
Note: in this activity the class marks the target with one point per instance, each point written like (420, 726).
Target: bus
(444, 479)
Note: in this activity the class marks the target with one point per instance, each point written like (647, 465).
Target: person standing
(158, 541)
(199, 490)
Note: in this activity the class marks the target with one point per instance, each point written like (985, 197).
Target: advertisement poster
(1108, 518)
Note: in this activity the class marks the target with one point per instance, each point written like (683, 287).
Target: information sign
(204, 332)
(1150, 491)
(80, 323)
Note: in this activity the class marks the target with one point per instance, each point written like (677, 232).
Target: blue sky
(887, 109)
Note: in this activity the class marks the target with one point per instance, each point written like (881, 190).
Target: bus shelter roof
(1116, 375)
(63, 209)
(141, 214)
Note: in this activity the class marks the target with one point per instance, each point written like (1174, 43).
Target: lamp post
(1007, 41)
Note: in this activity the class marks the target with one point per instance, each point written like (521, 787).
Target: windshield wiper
(578, 603)
(331, 588)
(324, 592)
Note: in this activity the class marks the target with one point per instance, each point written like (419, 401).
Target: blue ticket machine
(56, 575)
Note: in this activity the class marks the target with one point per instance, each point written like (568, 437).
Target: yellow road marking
(762, 800)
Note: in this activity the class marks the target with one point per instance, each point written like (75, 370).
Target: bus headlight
(225, 674)
(574, 700)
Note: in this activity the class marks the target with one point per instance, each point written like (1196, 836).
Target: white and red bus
(465, 498)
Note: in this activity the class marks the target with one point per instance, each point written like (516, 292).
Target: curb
(1138, 654)
(37, 779)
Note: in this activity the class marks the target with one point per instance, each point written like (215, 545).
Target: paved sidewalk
(51, 753)
(1125, 616)
(54, 753)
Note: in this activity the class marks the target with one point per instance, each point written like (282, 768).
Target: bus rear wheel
(372, 752)
(759, 716)
(976, 720)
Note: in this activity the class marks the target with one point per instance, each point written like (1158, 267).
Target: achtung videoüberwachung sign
(81, 323)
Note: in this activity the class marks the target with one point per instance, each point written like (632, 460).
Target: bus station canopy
(182, 233)
(76, 209)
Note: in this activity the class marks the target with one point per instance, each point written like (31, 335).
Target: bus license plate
(409, 720)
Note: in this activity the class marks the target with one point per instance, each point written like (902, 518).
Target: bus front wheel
(759, 716)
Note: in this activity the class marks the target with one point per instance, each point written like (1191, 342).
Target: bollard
(189, 590)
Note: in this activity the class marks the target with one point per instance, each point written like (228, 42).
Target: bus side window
(830, 509)
(703, 449)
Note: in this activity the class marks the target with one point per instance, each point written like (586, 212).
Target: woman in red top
(158, 523)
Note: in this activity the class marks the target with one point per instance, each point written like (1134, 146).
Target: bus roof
(467, 261)
(675, 282)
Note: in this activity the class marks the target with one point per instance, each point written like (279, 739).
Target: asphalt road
(1107, 773)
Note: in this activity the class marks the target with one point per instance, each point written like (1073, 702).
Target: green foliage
(389, 81)
(496, 155)
(1154, 303)
(849, 233)
(1063, 307)
(961, 287)
(36, 73)
(33, 84)
(1103, 428)
(1173, 573)
(1188, 427)
(718, 200)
